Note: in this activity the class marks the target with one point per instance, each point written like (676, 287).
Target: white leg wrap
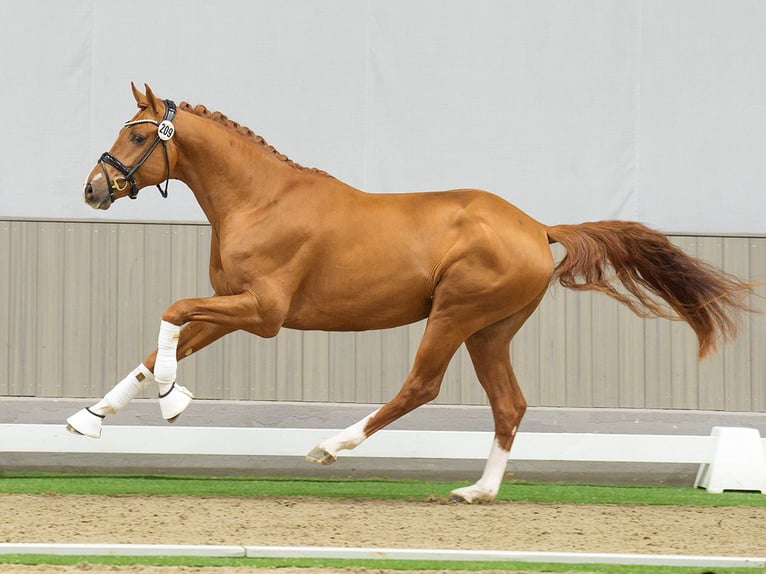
(166, 365)
(88, 421)
(126, 390)
(488, 485)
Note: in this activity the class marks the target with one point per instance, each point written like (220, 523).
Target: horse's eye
(137, 138)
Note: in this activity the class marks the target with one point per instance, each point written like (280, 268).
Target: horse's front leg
(231, 312)
(193, 337)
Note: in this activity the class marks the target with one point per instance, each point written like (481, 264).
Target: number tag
(165, 130)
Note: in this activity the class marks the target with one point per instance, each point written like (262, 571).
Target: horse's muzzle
(97, 196)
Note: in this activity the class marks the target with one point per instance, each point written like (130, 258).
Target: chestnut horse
(294, 247)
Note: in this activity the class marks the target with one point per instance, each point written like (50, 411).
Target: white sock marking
(489, 484)
(348, 438)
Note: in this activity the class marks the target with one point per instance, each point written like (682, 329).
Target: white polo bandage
(166, 365)
(124, 391)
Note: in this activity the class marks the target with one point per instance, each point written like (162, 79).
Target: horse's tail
(647, 264)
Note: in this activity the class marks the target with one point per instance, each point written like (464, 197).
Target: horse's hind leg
(439, 343)
(490, 353)
(192, 338)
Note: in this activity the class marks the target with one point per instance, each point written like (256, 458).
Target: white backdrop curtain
(649, 110)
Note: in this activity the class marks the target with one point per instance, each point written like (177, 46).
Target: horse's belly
(358, 309)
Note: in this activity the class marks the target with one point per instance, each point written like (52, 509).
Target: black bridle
(165, 130)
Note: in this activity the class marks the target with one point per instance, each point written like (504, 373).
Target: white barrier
(382, 554)
(728, 461)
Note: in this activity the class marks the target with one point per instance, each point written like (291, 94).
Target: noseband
(165, 130)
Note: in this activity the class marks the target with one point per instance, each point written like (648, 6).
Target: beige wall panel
(316, 368)
(367, 367)
(551, 376)
(75, 299)
(81, 304)
(5, 306)
(22, 363)
(342, 367)
(757, 330)
(757, 325)
(630, 370)
(605, 317)
(737, 393)
(49, 312)
(134, 309)
(711, 371)
(107, 336)
(578, 350)
(683, 358)
(658, 370)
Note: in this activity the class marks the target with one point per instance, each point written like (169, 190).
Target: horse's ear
(140, 98)
(154, 102)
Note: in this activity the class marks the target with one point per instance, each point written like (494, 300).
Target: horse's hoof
(318, 455)
(86, 423)
(470, 495)
(174, 402)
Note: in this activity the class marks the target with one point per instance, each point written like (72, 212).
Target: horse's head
(131, 163)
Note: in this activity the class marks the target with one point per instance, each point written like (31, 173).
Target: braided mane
(220, 118)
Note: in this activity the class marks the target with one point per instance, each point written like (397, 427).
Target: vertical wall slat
(737, 388)
(757, 332)
(236, 372)
(684, 378)
(367, 366)
(579, 349)
(607, 350)
(264, 369)
(316, 366)
(552, 371)
(658, 370)
(5, 306)
(49, 311)
(77, 294)
(289, 365)
(342, 368)
(132, 278)
(104, 328)
(631, 377)
(711, 378)
(22, 363)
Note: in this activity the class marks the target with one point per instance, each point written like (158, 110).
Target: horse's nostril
(88, 191)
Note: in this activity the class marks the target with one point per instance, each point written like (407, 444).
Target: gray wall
(80, 304)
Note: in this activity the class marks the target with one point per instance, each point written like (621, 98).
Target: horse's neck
(225, 172)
